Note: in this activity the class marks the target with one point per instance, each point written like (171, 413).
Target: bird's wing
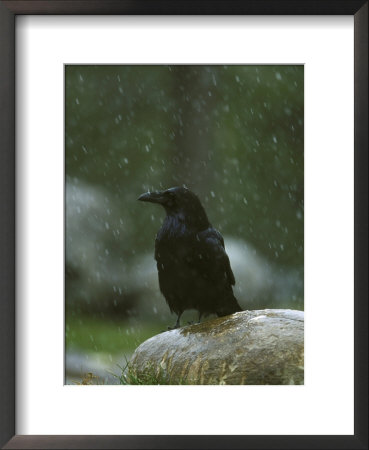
(209, 256)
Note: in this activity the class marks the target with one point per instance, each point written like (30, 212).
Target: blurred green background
(232, 134)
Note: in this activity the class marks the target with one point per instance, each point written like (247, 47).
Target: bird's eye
(170, 198)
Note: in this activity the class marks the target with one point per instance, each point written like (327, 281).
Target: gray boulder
(249, 347)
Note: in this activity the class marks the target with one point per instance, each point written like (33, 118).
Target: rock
(249, 347)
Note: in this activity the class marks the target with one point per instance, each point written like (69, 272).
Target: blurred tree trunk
(194, 88)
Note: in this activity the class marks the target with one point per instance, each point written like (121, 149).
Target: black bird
(194, 269)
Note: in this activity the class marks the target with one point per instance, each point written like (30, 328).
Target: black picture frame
(8, 12)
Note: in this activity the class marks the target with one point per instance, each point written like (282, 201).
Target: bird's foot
(168, 329)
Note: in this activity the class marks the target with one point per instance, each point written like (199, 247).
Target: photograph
(184, 224)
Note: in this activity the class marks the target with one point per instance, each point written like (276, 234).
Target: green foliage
(106, 335)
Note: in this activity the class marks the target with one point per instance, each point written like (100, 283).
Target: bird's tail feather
(229, 307)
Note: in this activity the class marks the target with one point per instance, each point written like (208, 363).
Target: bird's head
(181, 202)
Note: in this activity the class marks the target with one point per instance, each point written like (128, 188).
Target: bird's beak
(152, 197)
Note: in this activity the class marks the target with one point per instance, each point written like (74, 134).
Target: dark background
(232, 134)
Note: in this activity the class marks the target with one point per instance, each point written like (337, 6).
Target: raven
(193, 267)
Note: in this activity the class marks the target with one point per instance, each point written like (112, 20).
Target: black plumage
(193, 267)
